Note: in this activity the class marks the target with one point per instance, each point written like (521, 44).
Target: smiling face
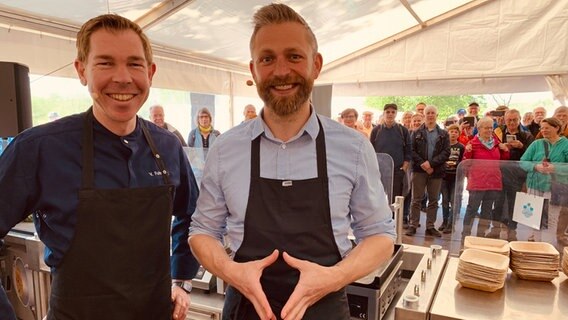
(118, 77)
(548, 131)
(417, 121)
(284, 66)
(349, 119)
(157, 116)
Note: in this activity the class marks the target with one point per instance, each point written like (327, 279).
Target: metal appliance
(370, 297)
(204, 280)
(25, 276)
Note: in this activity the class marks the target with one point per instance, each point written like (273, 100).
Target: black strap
(320, 154)
(157, 157)
(88, 172)
(547, 158)
(88, 151)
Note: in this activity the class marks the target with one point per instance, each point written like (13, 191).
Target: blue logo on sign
(528, 210)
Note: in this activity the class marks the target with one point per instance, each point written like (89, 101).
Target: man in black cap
(393, 139)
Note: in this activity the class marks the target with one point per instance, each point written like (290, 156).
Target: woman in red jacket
(483, 177)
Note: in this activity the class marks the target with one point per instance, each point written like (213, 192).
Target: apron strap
(88, 151)
(320, 153)
(157, 157)
(88, 172)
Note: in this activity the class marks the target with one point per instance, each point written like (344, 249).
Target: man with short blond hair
(286, 189)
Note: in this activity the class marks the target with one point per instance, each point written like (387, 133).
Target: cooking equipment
(370, 297)
(25, 276)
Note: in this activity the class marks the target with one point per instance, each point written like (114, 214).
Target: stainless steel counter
(519, 299)
(205, 305)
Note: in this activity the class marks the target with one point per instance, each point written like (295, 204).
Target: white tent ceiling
(382, 47)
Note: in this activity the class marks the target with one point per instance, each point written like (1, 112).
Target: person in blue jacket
(102, 187)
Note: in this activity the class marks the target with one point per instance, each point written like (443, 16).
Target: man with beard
(286, 187)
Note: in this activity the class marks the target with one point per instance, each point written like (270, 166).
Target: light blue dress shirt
(356, 195)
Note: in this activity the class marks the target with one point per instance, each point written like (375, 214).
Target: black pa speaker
(15, 99)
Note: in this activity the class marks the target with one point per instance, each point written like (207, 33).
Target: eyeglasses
(203, 116)
(351, 116)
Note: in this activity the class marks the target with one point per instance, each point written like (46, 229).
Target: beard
(284, 106)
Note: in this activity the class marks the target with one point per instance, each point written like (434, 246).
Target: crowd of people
(426, 153)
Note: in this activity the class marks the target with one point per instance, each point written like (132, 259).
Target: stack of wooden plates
(565, 261)
(482, 270)
(486, 244)
(534, 260)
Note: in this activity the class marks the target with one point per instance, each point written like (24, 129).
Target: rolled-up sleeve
(369, 208)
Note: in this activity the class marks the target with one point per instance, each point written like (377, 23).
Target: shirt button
(125, 141)
(283, 146)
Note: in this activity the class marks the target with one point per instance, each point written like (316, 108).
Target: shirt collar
(258, 127)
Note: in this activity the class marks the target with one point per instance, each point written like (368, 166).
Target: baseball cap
(390, 106)
(461, 111)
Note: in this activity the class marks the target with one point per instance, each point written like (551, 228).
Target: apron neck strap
(320, 152)
(88, 172)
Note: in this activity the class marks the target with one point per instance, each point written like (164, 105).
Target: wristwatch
(185, 285)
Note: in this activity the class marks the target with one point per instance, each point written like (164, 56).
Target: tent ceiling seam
(406, 33)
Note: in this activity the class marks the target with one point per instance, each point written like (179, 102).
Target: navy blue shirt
(394, 141)
(40, 174)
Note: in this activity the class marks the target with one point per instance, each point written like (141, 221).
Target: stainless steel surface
(204, 280)
(425, 279)
(373, 303)
(519, 299)
(205, 305)
(398, 208)
(370, 296)
(23, 262)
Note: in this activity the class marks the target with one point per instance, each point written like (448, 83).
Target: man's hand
(503, 147)
(405, 165)
(426, 165)
(515, 144)
(245, 277)
(181, 302)
(315, 282)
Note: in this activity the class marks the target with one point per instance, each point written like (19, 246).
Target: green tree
(447, 105)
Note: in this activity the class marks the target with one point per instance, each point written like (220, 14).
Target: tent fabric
(504, 46)
(559, 87)
(491, 46)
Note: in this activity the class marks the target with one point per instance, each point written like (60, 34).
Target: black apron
(291, 216)
(118, 264)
